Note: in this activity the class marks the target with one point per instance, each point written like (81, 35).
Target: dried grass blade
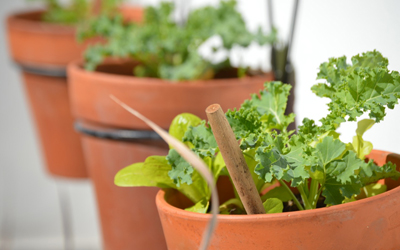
(194, 160)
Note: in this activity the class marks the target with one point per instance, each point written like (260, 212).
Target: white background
(29, 209)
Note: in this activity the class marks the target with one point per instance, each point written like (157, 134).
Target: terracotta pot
(372, 223)
(39, 44)
(128, 216)
(43, 50)
(159, 100)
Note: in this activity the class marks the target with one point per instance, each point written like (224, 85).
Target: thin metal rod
(66, 220)
(7, 220)
(270, 14)
(292, 29)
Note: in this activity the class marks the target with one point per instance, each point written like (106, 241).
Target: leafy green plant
(314, 161)
(170, 50)
(76, 11)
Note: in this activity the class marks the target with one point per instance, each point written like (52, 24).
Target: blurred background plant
(75, 11)
(195, 48)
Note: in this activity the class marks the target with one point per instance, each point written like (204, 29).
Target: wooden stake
(234, 160)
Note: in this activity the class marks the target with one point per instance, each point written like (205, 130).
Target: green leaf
(374, 189)
(218, 165)
(271, 105)
(249, 157)
(180, 124)
(232, 206)
(245, 122)
(333, 134)
(272, 164)
(199, 207)
(365, 86)
(361, 147)
(151, 173)
(273, 205)
(181, 171)
(345, 168)
(202, 139)
(329, 149)
(279, 192)
(335, 192)
(370, 172)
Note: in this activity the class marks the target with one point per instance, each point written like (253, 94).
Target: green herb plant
(76, 11)
(314, 161)
(167, 49)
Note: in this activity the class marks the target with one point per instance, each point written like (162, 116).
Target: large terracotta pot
(372, 223)
(129, 218)
(161, 101)
(43, 51)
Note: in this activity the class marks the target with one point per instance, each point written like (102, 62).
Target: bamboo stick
(234, 160)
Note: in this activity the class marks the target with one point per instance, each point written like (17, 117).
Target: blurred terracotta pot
(157, 99)
(372, 223)
(129, 218)
(43, 51)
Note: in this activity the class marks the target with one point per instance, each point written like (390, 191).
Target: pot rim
(18, 21)
(76, 68)
(162, 204)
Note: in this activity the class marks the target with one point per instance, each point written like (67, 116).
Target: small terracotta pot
(43, 50)
(128, 216)
(157, 99)
(372, 223)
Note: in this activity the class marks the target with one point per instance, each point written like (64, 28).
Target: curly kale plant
(167, 49)
(76, 11)
(314, 161)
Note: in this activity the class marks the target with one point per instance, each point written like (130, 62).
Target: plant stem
(304, 197)
(306, 191)
(295, 200)
(319, 194)
(313, 197)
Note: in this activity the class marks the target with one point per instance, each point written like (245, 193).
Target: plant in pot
(332, 194)
(147, 64)
(42, 43)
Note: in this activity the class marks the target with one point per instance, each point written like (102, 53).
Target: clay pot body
(129, 218)
(159, 100)
(49, 103)
(43, 50)
(372, 223)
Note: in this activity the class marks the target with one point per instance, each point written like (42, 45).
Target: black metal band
(117, 134)
(43, 70)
